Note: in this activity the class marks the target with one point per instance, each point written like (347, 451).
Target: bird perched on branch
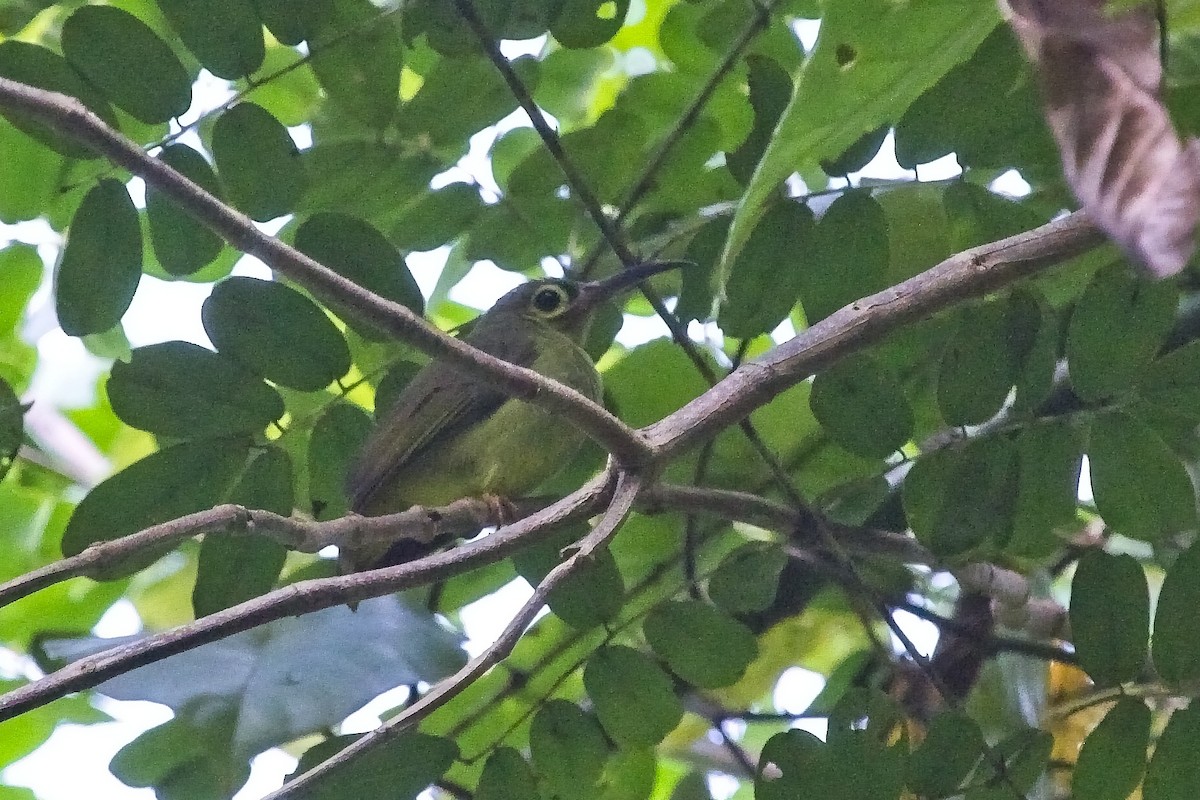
(451, 435)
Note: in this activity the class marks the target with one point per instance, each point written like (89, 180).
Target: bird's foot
(501, 510)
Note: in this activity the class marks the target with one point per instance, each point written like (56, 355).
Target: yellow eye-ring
(550, 299)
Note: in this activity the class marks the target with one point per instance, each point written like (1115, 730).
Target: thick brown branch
(969, 274)
(70, 117)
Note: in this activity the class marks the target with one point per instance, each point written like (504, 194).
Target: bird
(451, 435)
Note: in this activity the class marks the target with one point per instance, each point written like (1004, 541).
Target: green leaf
(1112, 759)
(175, 481)
(960, 500)
(37, 66)
(1050, 456)
(699, 643)
(848, 258)
(1141, 488)
(1024, 755)
(588, 23)
(12, 429)
(1110, 617)
(276, 332)
(790, 766)
(232, 569)
(357, 251)
(182, 244)
(764, 282)
(569, 749)
(185, 757)
(360, 73)
(748, 578)
(387, 392)
(862, 407)
(29, 175)
(402, 768)
(437, 218)
(258, 162)
(224, 35)
(1116, 328)
(857, 155)
(21, 267)
(770, 89)
(1176, 643)
(181, 389)
(859, 76)
(141, 74)
(102, 262)
(952, 747)
(634, 699)
(590, 596)
(506, 775)
(1174, 770)
(336, 439)
(976, 371)
(1172, 382)
(291, 22)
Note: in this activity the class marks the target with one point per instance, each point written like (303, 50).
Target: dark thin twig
(735, 750)
(994, 643)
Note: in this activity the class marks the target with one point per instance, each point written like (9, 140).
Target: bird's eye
(548, 299)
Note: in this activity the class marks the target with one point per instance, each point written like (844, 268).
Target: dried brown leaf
(1101, 75)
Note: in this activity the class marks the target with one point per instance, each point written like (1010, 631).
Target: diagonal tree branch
(626, 492)
(70, 117)
(966, 275)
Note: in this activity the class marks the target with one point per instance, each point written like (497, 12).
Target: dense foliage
(934, 469)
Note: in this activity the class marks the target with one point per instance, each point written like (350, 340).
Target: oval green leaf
(952, 748)
(590, 596)
(277, 332)
(975, 374)
(1141, 488)
(588, 23)
(402, 767)
(232, 569)
(506, 775)
(1110, 616)
(336, 439)
(181, 389)
(1172, 382)
(849, 256)
(291, 22)
(764, 282)
(258, 162)
(634, 699)
(1116, 328)
(1050, 456)
(699, 643)
(862, 407)
(175, 481)
(1174, 770)
(127, 61)
(1176, 642)
(182, 243)
(568, 748)
(102, 262)
(12, 427)
(747, 579)
(224, 35)
(1112, 759)
(356, 250)
(45, 69)
(360, 73)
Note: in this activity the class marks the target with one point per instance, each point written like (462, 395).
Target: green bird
(450, 435)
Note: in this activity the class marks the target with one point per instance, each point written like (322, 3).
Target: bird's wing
(436, 405)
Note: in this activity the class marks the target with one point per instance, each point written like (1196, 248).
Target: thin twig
(628, 486)
(994, 644)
